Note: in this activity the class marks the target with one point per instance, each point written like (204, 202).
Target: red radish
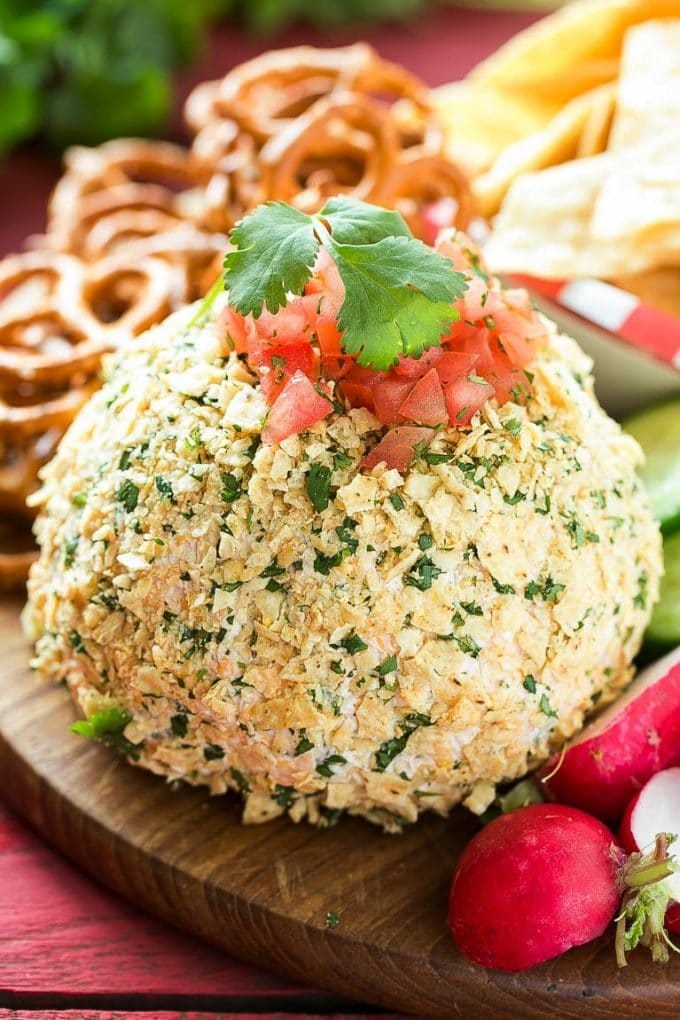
(298, 406)
(656, 808)
(619, 751)
(397, 448)
(532, 884)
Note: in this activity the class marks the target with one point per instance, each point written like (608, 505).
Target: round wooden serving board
(263, 893)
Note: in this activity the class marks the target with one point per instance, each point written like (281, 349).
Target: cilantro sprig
(399, 293)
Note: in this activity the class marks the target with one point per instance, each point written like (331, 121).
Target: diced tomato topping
(463, 253)
(359, 395)
(388, 396)
(482, 356)
(397, 448)
(326, 329)
(437, 216)
(236, 328)
(415, 368)
(276, 365)
(464, 398)
(425, 403)
(474, 306)
(516, 349)
(453, 364)
(298, 406)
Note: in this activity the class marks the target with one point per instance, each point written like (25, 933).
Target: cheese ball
(276, 620)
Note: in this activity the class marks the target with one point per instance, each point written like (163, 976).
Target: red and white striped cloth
(623, 314)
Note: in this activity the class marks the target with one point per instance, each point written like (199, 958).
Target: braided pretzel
(264, 94)
(125, 174)
(85, 314)
(416, 181)
(337, 146)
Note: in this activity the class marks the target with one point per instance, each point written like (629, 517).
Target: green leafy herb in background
(86, 70)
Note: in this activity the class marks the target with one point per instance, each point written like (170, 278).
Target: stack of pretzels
(137, 228)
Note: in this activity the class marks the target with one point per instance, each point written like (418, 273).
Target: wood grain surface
(264, 893)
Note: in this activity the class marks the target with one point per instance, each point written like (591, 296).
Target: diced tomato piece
(335, 368)
(480, 301)
(453, 364)
(415, 368)
(509, 383)
(359, 395)
(459, 331)
(298, 406)
(437, 216)
(237, 328)
(358, 385)
(397, 448)
(326, 281)
(464, 398)
(326, 329)
(481, 345)
(517, 350)
(278, 364)
(458, 247)
(425, 403)
(388, 396)
(285, 326)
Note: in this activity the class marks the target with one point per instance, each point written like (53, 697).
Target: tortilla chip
(649, 85)
(580, 129)
(522, 86)
(610, 215)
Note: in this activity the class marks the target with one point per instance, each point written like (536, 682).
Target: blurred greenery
(87, 70)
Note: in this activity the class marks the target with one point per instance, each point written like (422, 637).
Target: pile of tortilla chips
(571, 133)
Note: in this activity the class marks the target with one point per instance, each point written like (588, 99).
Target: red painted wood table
(68, 948)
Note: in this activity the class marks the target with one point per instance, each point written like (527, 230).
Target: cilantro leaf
(398, 296)
(354, 222)
(399, 293)
(274, 251)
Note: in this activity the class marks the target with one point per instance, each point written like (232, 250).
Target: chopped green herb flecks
(127, 493)
(318, 486)
(304, 743)
(529, 683)
(396, 501)
(231, 487)
(165, 489)
(544, 706)
(325, 767)
(107, 727)
(332, 919)
(547, 589)
(387, 666)
(389, 750)
(179, 724)
(213, 752)
(353, 643)
(422, 574)
(640, 599)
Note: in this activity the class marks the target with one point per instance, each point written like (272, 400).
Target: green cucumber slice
(657, 430)
(664, 627)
